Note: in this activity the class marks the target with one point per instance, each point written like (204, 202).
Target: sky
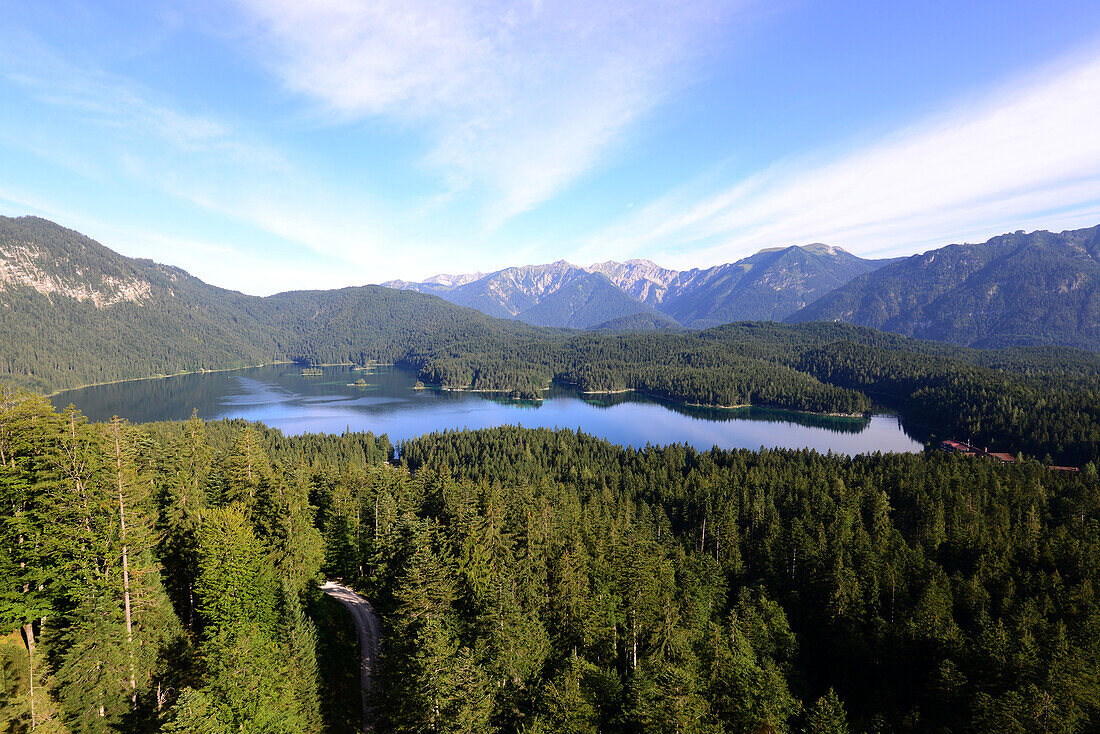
(271, 145)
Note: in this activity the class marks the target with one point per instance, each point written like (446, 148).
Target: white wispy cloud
(519, 98)
(1025, 154)
(116, 130)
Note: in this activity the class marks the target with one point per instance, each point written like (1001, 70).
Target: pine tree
(827, 716)
(182, 503)
(258, 651)
(566, 705)
(117, 640)
(236, 585)
(570, 595)
(297, 544)
(301, 640)
(247, 468)
(29, 430)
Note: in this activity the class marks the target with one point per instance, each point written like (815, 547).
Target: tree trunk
(125, 569)
(248, 451)
(77, 477)
(28, 634)
(615, 642)
(634, 636)
(102, 706)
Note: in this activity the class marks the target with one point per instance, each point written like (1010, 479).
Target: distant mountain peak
(643, 279)
(455, 280)
(816, 248)
(635, 262)
(769, 285)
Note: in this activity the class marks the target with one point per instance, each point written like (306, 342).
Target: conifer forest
(164, 577)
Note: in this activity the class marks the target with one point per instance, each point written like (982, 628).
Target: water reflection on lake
(281, 397)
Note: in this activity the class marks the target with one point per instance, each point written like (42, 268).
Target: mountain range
(556, 294)
(1022, 288)
(74, 312)
(770, 285)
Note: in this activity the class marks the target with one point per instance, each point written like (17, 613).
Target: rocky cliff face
(67, 270)
(642, 279)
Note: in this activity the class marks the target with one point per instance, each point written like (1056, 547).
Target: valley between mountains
(77, 313)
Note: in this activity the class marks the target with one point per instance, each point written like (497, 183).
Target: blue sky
(267, 145)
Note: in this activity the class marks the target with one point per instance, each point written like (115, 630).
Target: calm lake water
(281, 397)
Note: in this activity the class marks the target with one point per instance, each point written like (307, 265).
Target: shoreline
(164, 377)
(207, 372)
(747, 406)
(484, 391)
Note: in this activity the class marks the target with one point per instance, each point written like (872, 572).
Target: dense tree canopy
(162, 577)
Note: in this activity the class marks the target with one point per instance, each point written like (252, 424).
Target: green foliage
(236, 585)
(927, 591)
(1009, 408)
(827, 716)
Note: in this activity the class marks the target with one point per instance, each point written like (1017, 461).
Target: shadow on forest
(338, 663)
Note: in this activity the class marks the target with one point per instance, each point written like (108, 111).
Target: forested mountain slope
(1035, 288)
(75, 312)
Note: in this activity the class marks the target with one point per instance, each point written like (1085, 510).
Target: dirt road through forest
(366, 622)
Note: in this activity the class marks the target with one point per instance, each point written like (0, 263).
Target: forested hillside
(1016, 289)
(163, 578)
(75, 312)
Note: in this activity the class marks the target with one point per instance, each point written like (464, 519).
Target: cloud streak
(129, 133)
(519, 99)
(1028, 153)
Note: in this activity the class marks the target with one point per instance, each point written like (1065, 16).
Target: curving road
(366, 622)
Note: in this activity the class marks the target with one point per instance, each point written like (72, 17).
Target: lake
(282, 397)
